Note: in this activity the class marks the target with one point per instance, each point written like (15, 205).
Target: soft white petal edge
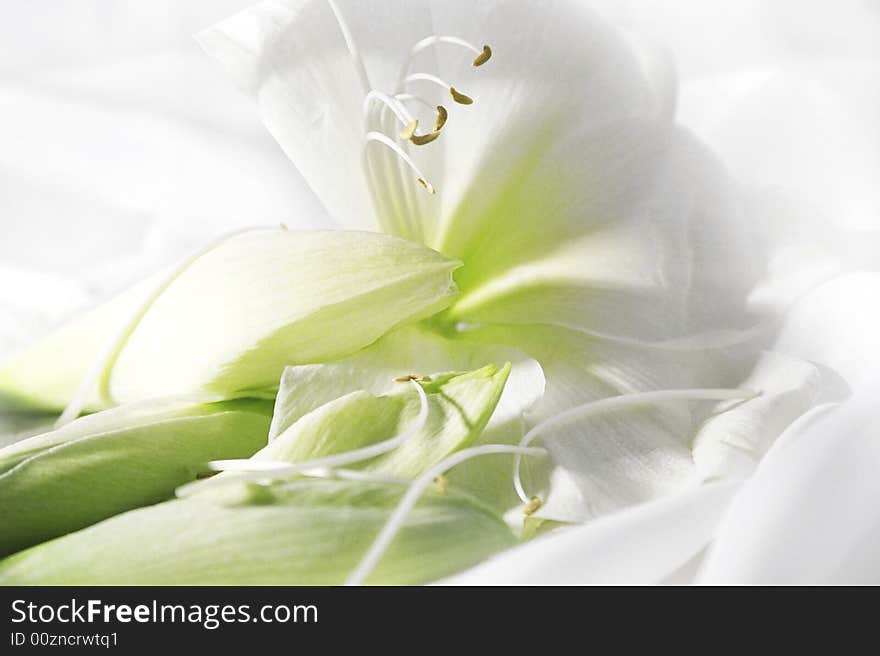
(810, 513)
(642, 544)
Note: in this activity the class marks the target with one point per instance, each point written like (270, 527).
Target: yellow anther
(408, 377)
(427, 185)
(407, 133)
(532, 506)
(460, 98)
(483, 57)
(442, 115)
(441, 485)
(422, 139)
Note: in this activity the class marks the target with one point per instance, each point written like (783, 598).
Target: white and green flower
(540, 208)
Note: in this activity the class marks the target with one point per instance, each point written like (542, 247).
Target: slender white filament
(273, 466)
(257, 470)
(399, 205)
(356, 475)
(398, 109)
(351, 44)
(426, 77)
(430, 41)
(385, 141)
(96, 376)
(407, 503)
(615, 403)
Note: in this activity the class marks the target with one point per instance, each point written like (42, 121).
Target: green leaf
(117, 460)
(459, 407)
(236, 316)
(307, 532)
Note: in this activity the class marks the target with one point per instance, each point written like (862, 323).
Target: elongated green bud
(117, 460)
(230, 321)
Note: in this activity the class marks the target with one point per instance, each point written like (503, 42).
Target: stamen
(614, 403)
(384, 140)
(460, 98)
(260, 470)
(532, 506)
(441, 485)
(407, 378)
(405, 117)
(430, 41)
(483, 54)
(410, 130)
(442, 116)
(391, 203)
(356, 475)
(483, 57)
(423, 139)
(457, 96)
(272, 467)
(397, 107)
(407, 503)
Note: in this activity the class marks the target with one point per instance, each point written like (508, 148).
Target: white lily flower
(596, 235)
(538, 147)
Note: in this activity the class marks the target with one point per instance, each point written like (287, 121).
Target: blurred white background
(122, 146)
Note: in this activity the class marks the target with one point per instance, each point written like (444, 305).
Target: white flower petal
(292, 57)
(837, 325)
(531, 163)
(809, 515)
(642, 544)
(733, 441)
(627, 455)
(680, 261)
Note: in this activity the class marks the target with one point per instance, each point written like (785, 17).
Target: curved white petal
(681, 260)
(557, 112)
(731, 442)
(809, 514)
(837, 325)
(293, 58)
(642, 544)
(627, 455)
